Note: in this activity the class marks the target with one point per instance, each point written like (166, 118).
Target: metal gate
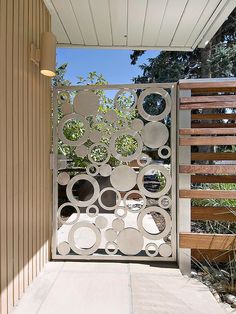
(114, 172)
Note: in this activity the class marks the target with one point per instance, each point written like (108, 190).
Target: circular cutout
(70, 186)
(164, 152)
(123, 178)
(71, 238)
(110, 235)
(63, 248)
(132, 208)
(81, 151)
(154, 134)
(121, 100)
(63, 178)
(86, 103)
(122, 151)
(92, 211)
(63, 97)
(92, 170)
(118, 199)
(69, 205)
(120, 212)
(111, 248)
(143, 160)
(99, 153)
(137, 125)
(160, 211)
(155, 117)
(118, 224)
(154, 171)
(105, 170)
(151, 249)
(81, 132)
(101, 222)
(165, 250)
(164, 201)
(130, 241)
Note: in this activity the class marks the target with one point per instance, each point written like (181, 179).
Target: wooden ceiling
(137, 24)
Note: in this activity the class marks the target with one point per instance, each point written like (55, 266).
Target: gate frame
(54, 164)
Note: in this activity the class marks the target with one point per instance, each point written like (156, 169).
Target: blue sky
(113, 64)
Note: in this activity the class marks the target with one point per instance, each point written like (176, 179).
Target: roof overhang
(179, 25)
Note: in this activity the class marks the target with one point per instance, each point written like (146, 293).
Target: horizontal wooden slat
(208, 194)
(207, 241)
(213, 156)
(213, 125)
(207, 131)
(208, 169)
(212, 255)
(207, 140)
(213, 116)
(213, 179)
(207, 99)
(208, 105)
(204, 86)
(213, 213)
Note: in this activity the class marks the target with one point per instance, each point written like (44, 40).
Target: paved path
(115, 288)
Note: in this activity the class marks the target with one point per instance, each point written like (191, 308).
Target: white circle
(81, 151)
(147, 249)
(95, 136)
(79, 141)
(105, 170)
(91, 214)
(71, 239)
(118, 213)
(89, 170)
(117, 201)
(165, 250)
(59, 213)
(137, 125)
(63, 248)
(71, 183)
(63, 178)
(110, 235)
(123, 178)
(160, 211)
(154, 134)
(99, 145)
(130, 241)
(153, 90)
(160, 149)
(146, 159)
(123, 91)
(133, 210)
(118, 224)
(164, 172)
(101, 222)
(110, 251)
(86, 103)
(164, 201)
(117, 155)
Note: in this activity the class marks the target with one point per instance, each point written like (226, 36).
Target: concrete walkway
(115, 288)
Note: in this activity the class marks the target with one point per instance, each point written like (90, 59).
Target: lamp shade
(48, 54)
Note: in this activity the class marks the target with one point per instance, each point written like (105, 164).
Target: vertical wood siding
(25, 132)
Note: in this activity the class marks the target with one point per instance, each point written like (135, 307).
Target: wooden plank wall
(208, 128)
(25, 132)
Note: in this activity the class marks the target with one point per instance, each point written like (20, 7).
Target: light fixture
(45, 57)
(48, 54)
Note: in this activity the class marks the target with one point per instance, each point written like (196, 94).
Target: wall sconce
(45, 57)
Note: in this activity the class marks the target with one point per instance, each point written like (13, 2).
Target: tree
(217, 59)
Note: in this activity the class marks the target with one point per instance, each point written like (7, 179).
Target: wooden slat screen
(25, 133)
(209, 128)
